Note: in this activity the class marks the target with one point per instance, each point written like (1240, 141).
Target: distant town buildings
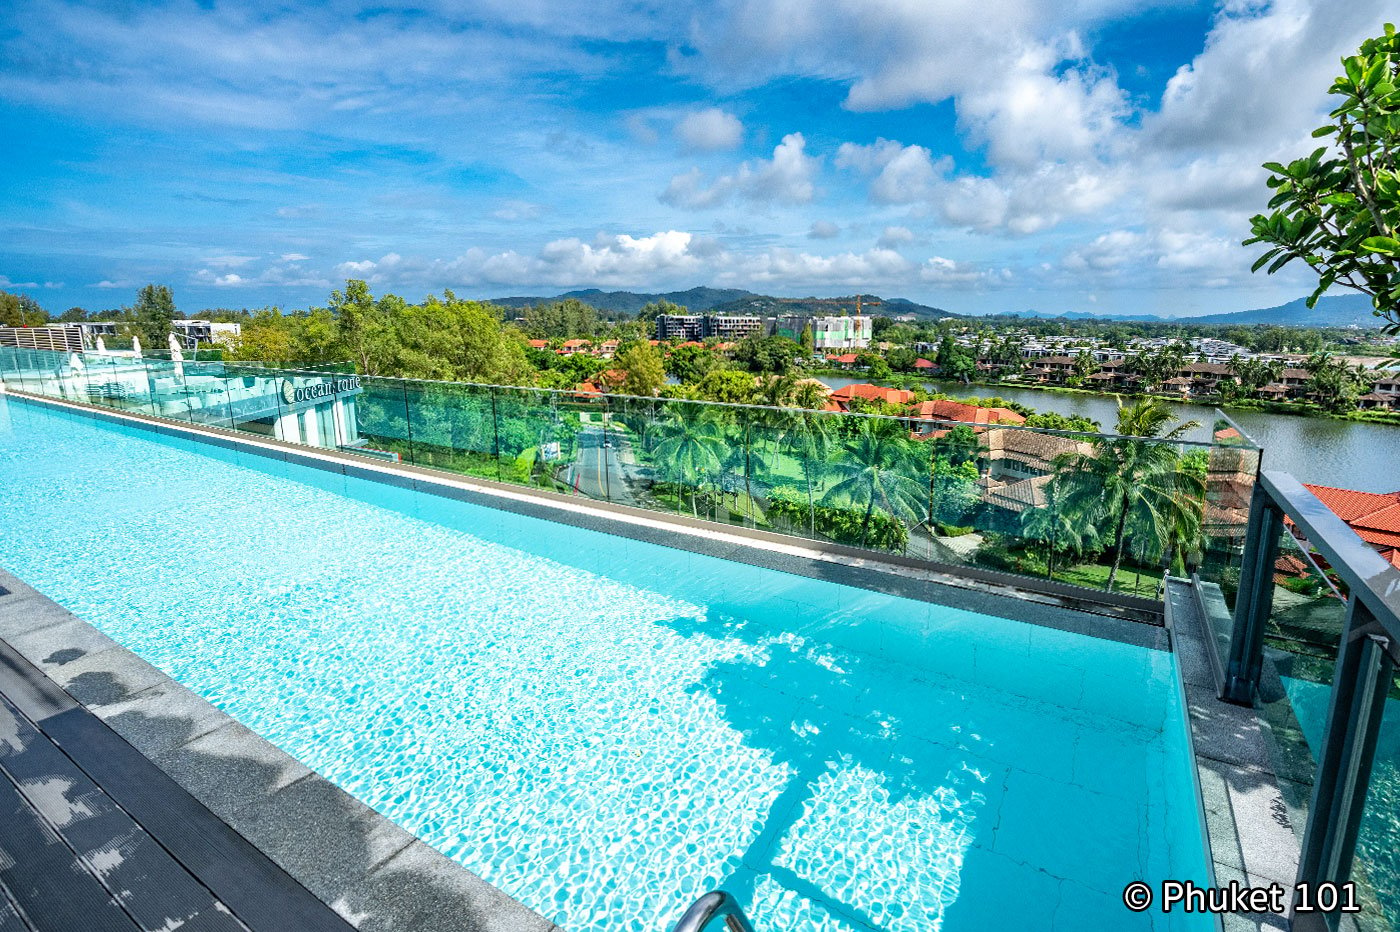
(76, 337)
(841, 333)
(701, 326)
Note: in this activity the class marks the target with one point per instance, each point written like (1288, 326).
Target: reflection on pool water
(607, 728)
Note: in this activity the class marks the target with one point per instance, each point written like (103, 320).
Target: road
(598, 472)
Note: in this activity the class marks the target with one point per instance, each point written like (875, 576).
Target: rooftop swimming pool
(607, 728)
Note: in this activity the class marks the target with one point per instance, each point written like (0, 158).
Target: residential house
(930, 419)
(870, 393)
(1375, 517)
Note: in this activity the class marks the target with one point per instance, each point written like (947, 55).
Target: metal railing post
(1254, 600)
(1359, 688)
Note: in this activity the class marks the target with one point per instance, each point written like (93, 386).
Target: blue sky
(980, 155)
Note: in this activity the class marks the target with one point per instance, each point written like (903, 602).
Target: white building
(845, 333)
(194, 332)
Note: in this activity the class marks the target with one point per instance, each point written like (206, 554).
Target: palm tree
(878, 467)
(690, 449)
(808, 439)
(1332, 383)
(1123, 479)
(1256, 372)
(1058, 527)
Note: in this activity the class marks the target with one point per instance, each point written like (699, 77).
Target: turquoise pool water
(607, 728)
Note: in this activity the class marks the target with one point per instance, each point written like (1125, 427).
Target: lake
(1324, 451)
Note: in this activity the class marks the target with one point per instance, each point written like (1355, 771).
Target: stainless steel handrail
(716, 904)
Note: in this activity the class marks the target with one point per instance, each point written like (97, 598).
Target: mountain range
(1344, 310)
(730, 301)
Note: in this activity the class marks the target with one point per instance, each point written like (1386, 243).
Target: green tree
(1084, 364)
(1127, 482)
(877, 467)
(1333, 384)
(1338, 209)
(690, 448)
(450, 338)
(1057, 527)
(152, 314)
(20, 310)
(365, 335)
(808, 341)
(727, 385)
(1256, 372)
(566, 319)
(690, 364)
(645, 374)
(654, 309)
(766, 354)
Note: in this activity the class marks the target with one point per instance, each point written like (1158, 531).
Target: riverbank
(1341, 452)
(1291, 408)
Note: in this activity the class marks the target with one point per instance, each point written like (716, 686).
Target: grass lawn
(1095, 576)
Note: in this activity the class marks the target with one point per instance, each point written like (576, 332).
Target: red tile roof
(923, 364)
(971, 414)
(1375, 517)
(894, 396)
(844, 358)
(539, 344)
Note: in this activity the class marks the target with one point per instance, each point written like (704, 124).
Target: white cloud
(289, 274)
(620, 259)
(516, 210)
(294, 257)
(671, 257)
(787, 178)
(229, 262)
(1107, 252)
(710, 130)
(823, 229)
(6, 283)
(938, 270)
(894, 237)
(902, 174)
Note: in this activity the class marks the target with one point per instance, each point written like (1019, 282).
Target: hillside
(1343, 310)
(698, 299)
(733, 301)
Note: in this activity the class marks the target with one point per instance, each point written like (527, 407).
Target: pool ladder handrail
(717, 904)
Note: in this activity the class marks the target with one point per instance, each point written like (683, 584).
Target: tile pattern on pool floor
(606, 728)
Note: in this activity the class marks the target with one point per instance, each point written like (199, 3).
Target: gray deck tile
(60, 644)
(425, 892)
(230, 767)
(321, 835)
(162, 717)
(106, 677)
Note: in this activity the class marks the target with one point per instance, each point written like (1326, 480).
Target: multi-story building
(698, 327)
(194, 332)
(732, 329)
(679, 327)
(841, 332)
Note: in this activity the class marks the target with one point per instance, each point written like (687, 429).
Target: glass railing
(1302, 635)
(1089, 510)
(1315, 646)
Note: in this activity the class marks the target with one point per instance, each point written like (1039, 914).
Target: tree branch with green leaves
(1338, 209)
